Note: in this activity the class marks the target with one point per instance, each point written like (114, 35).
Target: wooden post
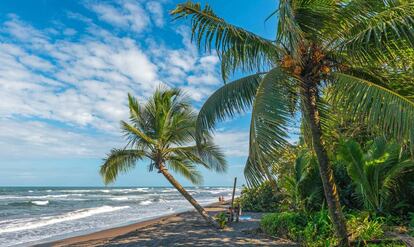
(234, 191)
(232, 200)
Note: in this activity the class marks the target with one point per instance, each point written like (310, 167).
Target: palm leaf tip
(119, 161)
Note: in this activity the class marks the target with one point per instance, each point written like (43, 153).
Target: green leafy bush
(316, 229)
(221, 219)
(286, 224)
(363, 227)
(259, 199)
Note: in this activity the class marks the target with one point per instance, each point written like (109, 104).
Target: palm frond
(381, 107)
(185, 168)
(315, 17)
(373, 29)
(376, 172)
(231, 99)
(134, 135)
(270, 117)
(254, 171)
(289, 32)
(119, 161)
(208, 30)
(207, 154)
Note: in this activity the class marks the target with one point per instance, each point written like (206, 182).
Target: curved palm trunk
(310, 95)
(187, 196)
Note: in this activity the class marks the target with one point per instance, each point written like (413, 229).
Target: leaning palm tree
(354, 53)
(162, 131)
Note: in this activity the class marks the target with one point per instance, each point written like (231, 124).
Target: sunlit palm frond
(382, 107)
(316, 17)
(270, 119)
(207, 154)
(289, 32)
(210, 31)
(135, 113)
(119, 161)
(231, 99)
(254, 171)
(235, 59)
(186, 168)
(375, 29)
(180, 129)
(134, 135)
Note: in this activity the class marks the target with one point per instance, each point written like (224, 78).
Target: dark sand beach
(183, 229)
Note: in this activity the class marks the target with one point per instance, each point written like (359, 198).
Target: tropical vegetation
(347, 58)
(162, 131)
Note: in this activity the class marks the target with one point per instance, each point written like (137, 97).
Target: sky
(66, 68)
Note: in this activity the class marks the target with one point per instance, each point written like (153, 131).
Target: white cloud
(155, 8)
(69, 31)
(38, 139)
(128, 15)
(82, 81)
(233, 143)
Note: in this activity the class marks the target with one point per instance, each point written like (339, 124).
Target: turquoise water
(39, 214)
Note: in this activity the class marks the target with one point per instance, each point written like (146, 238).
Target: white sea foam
(40, 203)
(169, 190)
(144, 203)
(119, 198)
(39, 197)
(45, 221)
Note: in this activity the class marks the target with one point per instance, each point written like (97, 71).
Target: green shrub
(259, 199)
(316, 229)
(221, 219)
(286, 224)
(363, 227)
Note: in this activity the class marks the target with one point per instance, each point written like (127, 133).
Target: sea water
(39, 214)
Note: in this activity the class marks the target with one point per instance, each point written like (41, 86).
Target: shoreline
(119, 230)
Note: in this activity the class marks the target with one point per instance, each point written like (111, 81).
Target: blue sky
(66, 67)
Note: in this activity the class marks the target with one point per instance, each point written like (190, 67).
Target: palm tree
(336, 52)
(375, 172)
(163, 130)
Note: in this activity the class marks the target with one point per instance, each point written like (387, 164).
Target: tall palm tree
(347, 52)
(163, 131)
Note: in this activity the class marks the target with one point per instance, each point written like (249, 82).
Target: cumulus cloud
(36, 139)
(126, 14)
(233, 143)
(79, 79)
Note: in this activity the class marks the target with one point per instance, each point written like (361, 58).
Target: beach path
(185, 229)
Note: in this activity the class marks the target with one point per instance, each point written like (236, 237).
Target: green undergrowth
(315, 229)
(259, 199)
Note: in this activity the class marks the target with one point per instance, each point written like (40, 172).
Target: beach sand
(183, 229)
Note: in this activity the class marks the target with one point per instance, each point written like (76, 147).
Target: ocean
(31, 215)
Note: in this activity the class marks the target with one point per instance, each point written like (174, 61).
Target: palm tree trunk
(187, 196)
(310, 95)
